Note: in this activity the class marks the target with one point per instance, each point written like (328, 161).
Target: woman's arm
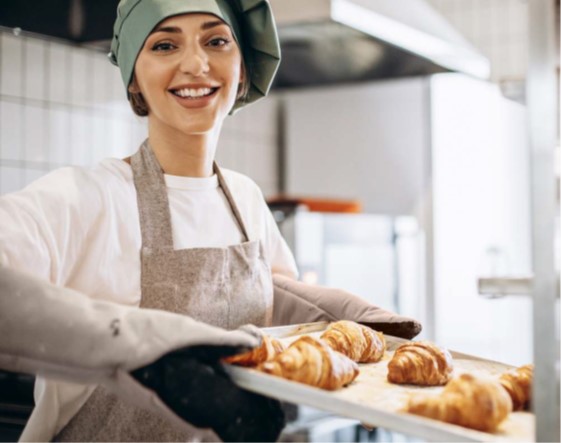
(60, 333)
(43, 227)
(174, 360)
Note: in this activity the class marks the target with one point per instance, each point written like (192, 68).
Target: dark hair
(140, 107)
(136, 100)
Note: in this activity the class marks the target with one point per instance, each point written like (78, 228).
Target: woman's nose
(194, 61)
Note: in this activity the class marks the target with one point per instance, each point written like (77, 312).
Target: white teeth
(193, 93)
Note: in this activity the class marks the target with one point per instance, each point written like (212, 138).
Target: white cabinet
(449, 150)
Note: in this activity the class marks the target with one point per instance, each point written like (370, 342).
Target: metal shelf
(495, 287)
(543, 286)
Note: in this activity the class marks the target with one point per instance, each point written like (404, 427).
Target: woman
(166, 228)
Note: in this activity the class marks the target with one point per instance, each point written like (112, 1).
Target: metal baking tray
(372, 400)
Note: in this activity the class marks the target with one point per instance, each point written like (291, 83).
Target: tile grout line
(23, 119)
(47, 95)
(1, 106)
(68, 97)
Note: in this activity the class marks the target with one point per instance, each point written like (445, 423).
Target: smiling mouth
(193, 94)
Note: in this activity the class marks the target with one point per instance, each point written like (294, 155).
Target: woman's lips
(195, 102)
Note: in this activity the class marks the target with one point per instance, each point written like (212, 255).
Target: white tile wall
(11, 130)
(80, 141)
(61, 105)
(47, 107)
(102, 81)
(58, 123)
(79, 75)
(35, 78)
(498, 28)
(34, 146)
(57, 55)
(11, 61)
(250, 142)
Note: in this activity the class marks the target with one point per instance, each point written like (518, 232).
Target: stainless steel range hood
(340, 41)
(323, 41)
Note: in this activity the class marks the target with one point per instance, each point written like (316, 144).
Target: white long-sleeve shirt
(79, 228)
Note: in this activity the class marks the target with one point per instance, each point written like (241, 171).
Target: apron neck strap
(152, 198)
(231, 200)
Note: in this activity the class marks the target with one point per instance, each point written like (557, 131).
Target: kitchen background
(64, 104)
(439, 163)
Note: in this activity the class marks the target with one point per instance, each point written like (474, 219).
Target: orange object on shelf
(317, 204)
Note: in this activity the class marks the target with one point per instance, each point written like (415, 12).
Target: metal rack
(543, 286)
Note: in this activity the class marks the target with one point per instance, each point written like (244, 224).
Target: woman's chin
(194, 124)
(199, 127)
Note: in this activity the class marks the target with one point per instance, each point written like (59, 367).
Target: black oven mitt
(193, 383)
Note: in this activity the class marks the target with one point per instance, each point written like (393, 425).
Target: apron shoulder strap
(152, 198)
(231, 201)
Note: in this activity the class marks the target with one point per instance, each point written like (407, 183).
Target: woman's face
(188, 71)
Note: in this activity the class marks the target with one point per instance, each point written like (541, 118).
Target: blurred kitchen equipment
(16, 403)
(290, 204)
(377, 257)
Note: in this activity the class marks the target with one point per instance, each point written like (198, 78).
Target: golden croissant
(469, 401)
(358, 342)
(312, 362)
(268, 349)
(518, 383)
(420, 363)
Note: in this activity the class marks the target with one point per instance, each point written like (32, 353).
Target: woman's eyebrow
(170, 29)
(209, 25)
(177, 30)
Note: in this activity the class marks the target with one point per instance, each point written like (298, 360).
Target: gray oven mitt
(296, 302)
(62, 334)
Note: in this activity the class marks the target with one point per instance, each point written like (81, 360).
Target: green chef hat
(251, 21)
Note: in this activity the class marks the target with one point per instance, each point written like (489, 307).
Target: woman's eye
(218, 42)
(163, 47)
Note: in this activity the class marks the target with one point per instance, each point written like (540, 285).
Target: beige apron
(226, 287)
